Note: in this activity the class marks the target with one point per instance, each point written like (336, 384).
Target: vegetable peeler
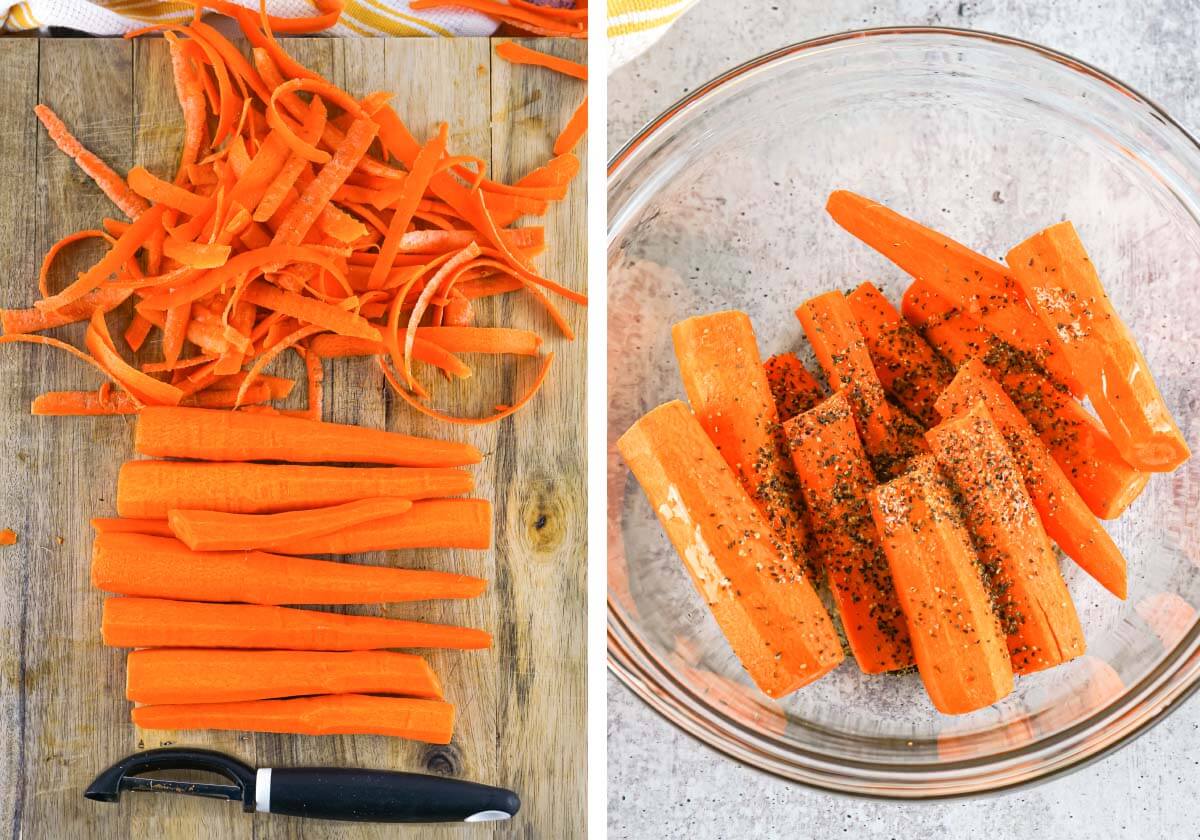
(328, 793)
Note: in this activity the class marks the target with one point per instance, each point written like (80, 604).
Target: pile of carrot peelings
(300, 218)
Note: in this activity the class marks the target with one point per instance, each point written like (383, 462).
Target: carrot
(224, 676)
(230, 436)
(196, 254)
(413, 187)
(431, 721)
(910, 371)
(1054, 272)
(8, 536)
(330, 346)
(164, 193)
(573, 131)
(109, 182)
(452, 339)
(794, 389)
(1064, 514)
(1019, 566)
(24, 321)
(150, 527)
(539, 21)
(154, 622)
(95, 403)
(279, 386)
(145, 388)
(836, 481)
(1078, 442)
(971, 281)
(727, 387)
(139, 563)
(514, 53)
(432, 523)
(958, 645)
(328, 316)
(841, 352)
(770, 615)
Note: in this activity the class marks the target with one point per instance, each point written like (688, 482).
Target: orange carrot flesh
(836, 481)
(112, 184)
(1064, 514)
(772, 618)
(200, 675)
(727, 387)
(210, 530)
(841, 352)
(232, 436)
(149, 489)
(74, 403)
(8, 536)
(161, 567)
(153, 622)
(117, 525)
(573, 131)
(1078, 442)
(431, 523)
(911, 372)
(516, 54)
(793, 387)
(1053, 270)
(958, 645)
(970, 280)
(1018, 562)
(450, 339)
(431, 721)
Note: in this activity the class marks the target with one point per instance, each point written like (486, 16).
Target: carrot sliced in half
(1064, 514)
(431, 721)
(793, 387)
(431, 523)
(154, 622)
(836, 480)
(727, 387)
(957, 642)
(1019, 565)
(974, 283)
(223, 676)
(771, 616)
(141, 564)
(911, 372)
(1053, 270)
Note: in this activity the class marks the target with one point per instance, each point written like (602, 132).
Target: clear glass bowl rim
(1144, 704)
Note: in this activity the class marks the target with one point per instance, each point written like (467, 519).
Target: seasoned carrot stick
(431, 721)
(957, 642)
(1053, 270)
(1078, 442)
(152, 622)
(1064, 514)
(795, 389)
(155, 567)
(432, 523)
(228, 436)
(970, 280)
(911, 372)
(208, 675)
(1031, 600)
(149, 489)
(727, 388)
(769, 613)
(836, 479)
(841, 352)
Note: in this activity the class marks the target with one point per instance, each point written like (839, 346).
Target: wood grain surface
(521, 705)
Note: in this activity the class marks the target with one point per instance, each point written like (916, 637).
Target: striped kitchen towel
(633, 25)
(360, 17)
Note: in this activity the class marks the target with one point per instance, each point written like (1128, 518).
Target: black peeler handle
(335, 793)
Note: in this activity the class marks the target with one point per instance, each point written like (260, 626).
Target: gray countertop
(663, 784)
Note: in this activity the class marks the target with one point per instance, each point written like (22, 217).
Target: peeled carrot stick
(149, 489)
(210, 530)
(795, 389)
(116, 525)
(432, 523)
(1078, 442)
(957, 642)
(836, 480)
(1064, 514)
(1018, 562)
(228, 436)
(431, 721)
(772, 618)
(152, 622)
(727, 388)
(841, 352)
(157, 567)
(911, 372)
(1053, 270)
(970, 280)
(200, 675)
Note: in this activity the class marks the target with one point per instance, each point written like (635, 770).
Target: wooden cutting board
(521, 705)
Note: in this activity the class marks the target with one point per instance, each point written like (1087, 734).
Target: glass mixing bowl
(719, 204)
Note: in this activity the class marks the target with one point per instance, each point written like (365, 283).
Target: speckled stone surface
(663, 784)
